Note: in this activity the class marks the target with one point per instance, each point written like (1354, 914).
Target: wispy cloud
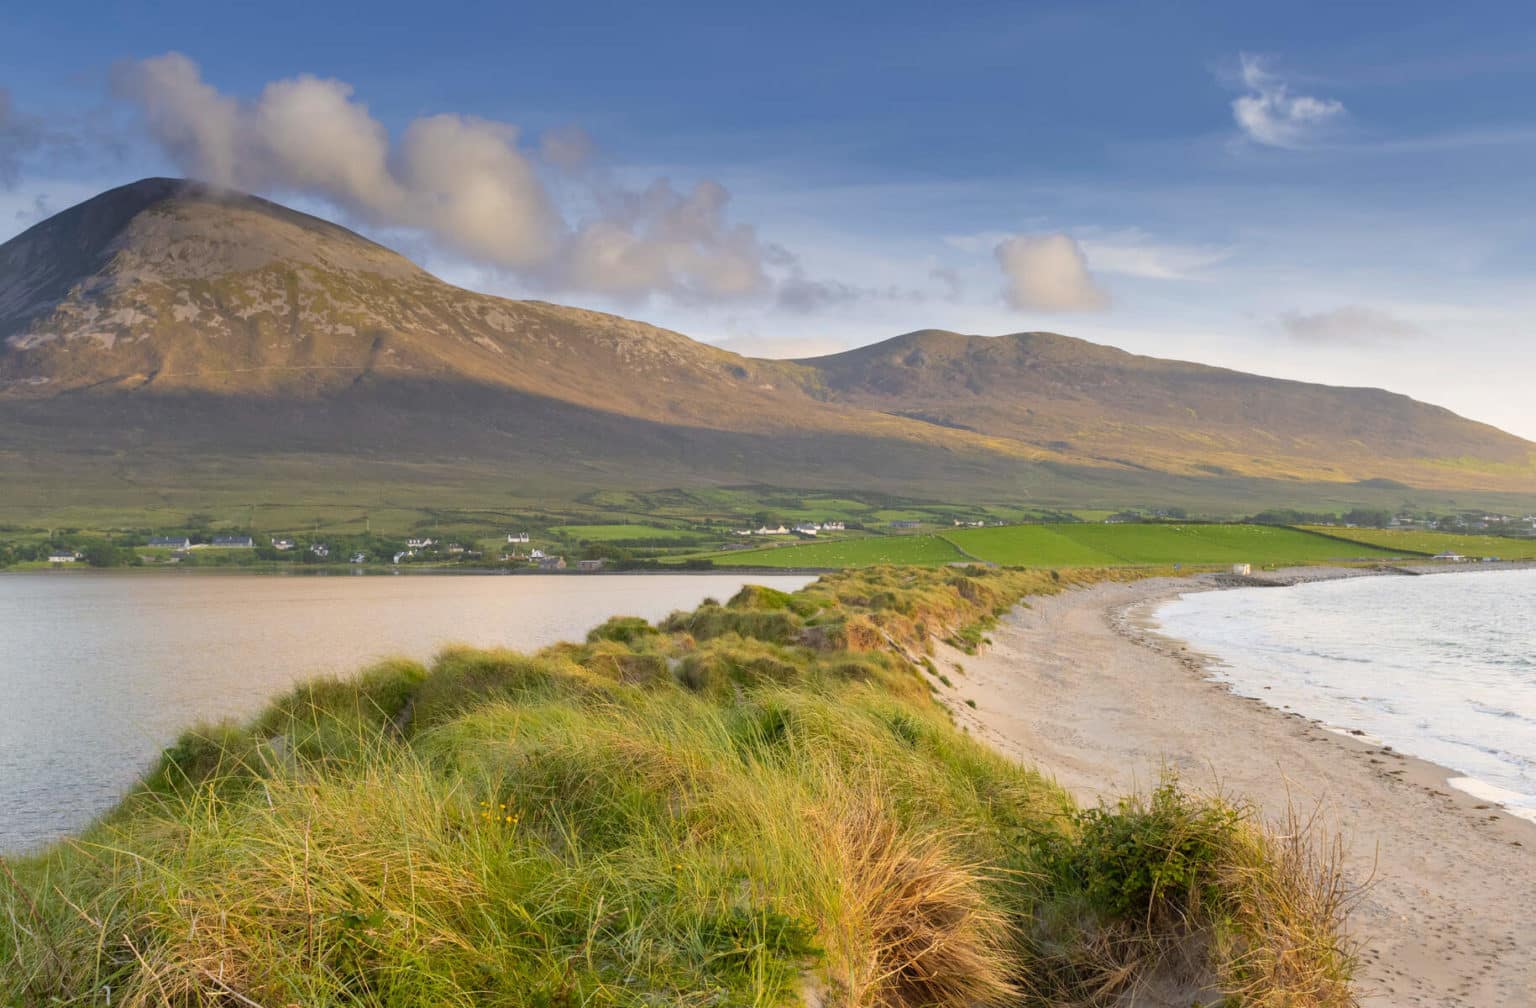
(1134, 252)
(1349, 325)
(1271, 115)
(1047, 272)
(21, 135)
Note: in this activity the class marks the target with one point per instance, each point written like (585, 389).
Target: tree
(104, 554)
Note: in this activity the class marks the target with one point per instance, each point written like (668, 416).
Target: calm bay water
(98, 672)
(1440, 667)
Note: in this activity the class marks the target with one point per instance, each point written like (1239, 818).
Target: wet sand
(1080, 685)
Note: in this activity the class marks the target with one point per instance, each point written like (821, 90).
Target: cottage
(170, 542)
(232, 542)
(765, 530)
(807, 530)
(536, 554)
(320, 550)
(283, 544)
(833, 526)
(520, 537)
(552, 563)
(420, 543)
(63, 556)
(455, 549)
(589, 565)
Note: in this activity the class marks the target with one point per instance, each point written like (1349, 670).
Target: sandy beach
(1080, 685)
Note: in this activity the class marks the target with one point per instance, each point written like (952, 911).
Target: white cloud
(1271, 115)
(1349, 325)
(1047, 272)
(468, 183)
(1133, 252)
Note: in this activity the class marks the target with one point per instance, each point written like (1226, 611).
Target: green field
(611, 533)
(1073, 545)
(1439, 542)
(912, 550)
(1190, 544)
(1032, 546)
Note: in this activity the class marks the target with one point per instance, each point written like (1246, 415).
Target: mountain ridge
(167, 291)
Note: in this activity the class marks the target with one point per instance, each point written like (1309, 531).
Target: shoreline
(1083, 686)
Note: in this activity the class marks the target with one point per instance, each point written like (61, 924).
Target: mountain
(1085, 400)
(166, 336)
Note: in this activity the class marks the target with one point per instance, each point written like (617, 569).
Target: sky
(1341, 193)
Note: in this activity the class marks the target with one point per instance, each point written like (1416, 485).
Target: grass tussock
(753, 803)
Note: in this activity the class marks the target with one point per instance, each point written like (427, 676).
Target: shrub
(462, 678)
(624, 629)
(1151, 858)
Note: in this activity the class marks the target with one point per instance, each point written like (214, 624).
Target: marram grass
(755, 803)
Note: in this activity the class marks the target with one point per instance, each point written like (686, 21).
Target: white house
(520, 537)
(833, 526)
(282, 544)
(359, 558)
(420, 543)
(63, 556)
(536, 554)
(232, 542)
(320, 550)
(170, 542)
(807, 529)
(765, 530)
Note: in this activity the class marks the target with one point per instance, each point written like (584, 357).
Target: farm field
(610, 533)
(1261, 545)
(1440, 542)
(1074, 545)
(1032, 546)
(909, 550)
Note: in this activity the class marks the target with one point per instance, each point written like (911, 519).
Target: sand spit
(1080, 684)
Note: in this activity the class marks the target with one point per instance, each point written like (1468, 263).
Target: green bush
(624, 629)
(1152, 858)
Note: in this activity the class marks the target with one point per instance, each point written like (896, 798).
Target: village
(554, 546)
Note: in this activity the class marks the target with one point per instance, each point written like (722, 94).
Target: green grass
(750, 804)
(1031, 546)
(1071, 545)
(1430, 543)
(912, 550)
(1205, 544)
(609, 533)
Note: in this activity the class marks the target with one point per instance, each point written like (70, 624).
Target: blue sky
(1329, 192)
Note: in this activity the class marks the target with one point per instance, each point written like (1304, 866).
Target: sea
(1442, 666)
(100, 671)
